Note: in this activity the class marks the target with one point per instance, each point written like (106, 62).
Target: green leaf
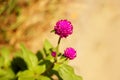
(1, 61)
(40, 69)
(43, 78)
(5, 56)
(67, 73)
(26, 78)
(47, 47)
(45, 53)
(18, 54)
(26, 75)
(30, 75)
(6, 74)
(52, 31)
(47, 50)
(29, 57)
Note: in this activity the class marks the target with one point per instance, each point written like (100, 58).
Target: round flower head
(53, 54)
(63, 28)
(70, 53)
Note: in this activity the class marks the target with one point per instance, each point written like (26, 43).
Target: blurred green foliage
(25, 65)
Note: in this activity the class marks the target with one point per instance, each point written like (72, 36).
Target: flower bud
(53, 54)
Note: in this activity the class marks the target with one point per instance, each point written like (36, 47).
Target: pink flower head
(63, 28)
(53, 54)
(70, 53)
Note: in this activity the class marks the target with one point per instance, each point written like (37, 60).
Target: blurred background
(96, 34)
(28, 21)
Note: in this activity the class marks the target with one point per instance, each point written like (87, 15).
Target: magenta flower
(70, 53)
(63, 28)
(53, 54)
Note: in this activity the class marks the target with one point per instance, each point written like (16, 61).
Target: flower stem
(57, 49)
(59, 41)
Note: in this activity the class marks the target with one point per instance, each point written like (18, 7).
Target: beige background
(96, 38)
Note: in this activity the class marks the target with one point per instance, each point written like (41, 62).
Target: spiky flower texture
(70, 53)
(63, 28)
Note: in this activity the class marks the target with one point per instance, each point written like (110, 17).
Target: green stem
(59, 41)
(57, 49)
(57, 52)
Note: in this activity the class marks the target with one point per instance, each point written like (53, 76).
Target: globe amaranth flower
(63, 28)
(70, 53)
(53, 54)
